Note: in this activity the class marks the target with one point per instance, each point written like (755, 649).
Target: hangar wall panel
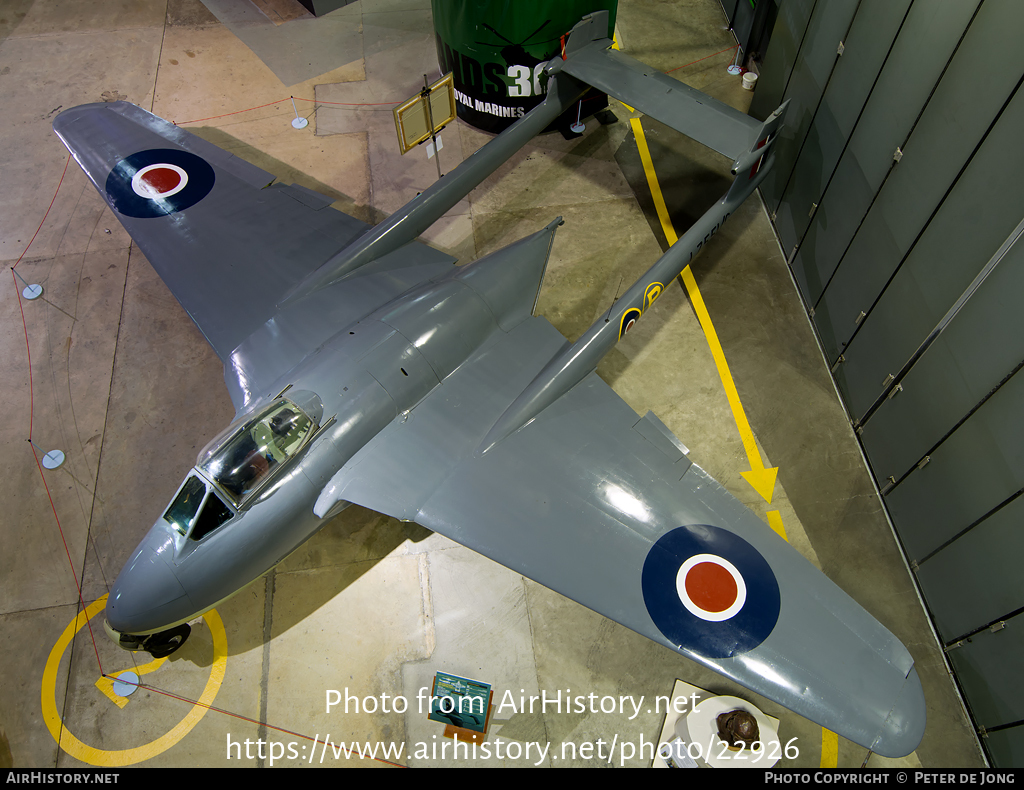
(977, 468)
(819, 54)
(787, 37)
(954, 124)
(970, 360)
(976, 217)
(866, 48)
(903, 87)
(1006, 746)
(993, 654)
(985, 562)
(888, 249)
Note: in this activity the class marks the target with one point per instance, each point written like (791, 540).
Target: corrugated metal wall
(898, 196)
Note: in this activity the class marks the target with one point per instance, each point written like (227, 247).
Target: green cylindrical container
(496, 48)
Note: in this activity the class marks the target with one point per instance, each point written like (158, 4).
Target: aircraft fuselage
(356, 383)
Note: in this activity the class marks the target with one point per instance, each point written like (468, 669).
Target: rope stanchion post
(299, 122)
(31, 291)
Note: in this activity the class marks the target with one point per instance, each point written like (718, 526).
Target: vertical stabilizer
(509, 280)
(747, 166)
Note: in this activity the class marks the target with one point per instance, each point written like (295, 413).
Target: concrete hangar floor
(122, 382)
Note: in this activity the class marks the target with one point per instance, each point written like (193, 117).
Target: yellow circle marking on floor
(102, 757)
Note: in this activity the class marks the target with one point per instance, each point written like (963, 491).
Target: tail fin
(509, 280)
(760, 150)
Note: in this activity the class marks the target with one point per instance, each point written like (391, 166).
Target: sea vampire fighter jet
(366, 368)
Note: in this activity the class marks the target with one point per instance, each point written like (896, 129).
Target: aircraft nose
(904, 727)
(147, 595)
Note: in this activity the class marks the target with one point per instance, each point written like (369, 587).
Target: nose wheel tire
(166, 642)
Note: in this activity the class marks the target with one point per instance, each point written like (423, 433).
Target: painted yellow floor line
(761, 479)
(829, 749)
(91, 755)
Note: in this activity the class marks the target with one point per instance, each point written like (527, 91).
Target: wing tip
(66, 117)
(904, 727)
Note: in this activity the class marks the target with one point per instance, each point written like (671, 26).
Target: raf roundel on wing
(158, 182)
(709, 591)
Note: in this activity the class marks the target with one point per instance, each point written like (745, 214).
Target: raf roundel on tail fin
(710, 592)
(158, 182)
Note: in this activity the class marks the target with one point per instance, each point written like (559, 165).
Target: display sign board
(425, 114)
(460, 702)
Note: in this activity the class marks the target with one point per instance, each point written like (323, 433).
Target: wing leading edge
(606, 509)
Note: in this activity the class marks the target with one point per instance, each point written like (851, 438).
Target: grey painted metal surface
(906, 426)
(571, 365)
(976, 469)
(903, 88)
(787, 36)
(393, 398)
(868, 45)
(424, 210)
(1006, 746)
(687, 110)
(819, 55)
(951, 128)
(988, 201)
(886, 261)
(985, 562)
(993, 654)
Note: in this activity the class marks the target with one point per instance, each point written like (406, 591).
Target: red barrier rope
(282, 101)
(727, 49)
(31, 402)
(60, 529)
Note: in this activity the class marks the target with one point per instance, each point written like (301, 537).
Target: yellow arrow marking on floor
(761, 479)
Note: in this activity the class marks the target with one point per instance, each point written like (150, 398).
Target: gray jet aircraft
(366, 368)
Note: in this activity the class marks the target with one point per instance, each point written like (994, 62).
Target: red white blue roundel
(158, 182)
(630, 317)
(709, 591)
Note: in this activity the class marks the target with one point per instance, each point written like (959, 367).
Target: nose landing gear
(158, 645)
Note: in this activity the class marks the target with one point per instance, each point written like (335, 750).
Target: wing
(606, 509)
(226, 242)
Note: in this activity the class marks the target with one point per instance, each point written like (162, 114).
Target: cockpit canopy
(248, 453)
(238, 463)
